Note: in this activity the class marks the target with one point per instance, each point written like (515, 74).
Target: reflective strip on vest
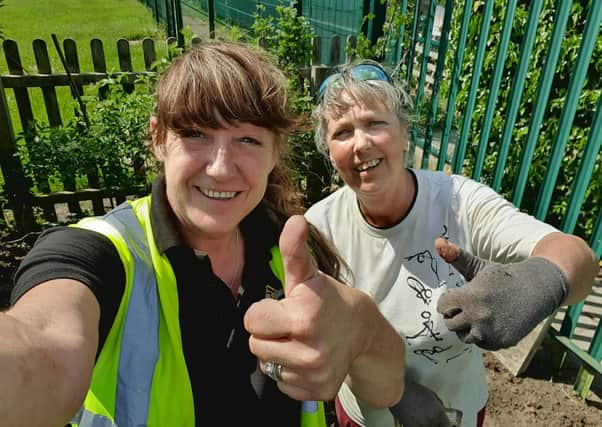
(136, 367)
(87, 418)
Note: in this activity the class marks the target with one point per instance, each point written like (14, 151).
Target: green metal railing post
(586, 375)
(590, 34)
(455, 78)
(541, 100)
(586, 167)
(211, 12)
(516, 92)
(412, 46)
(596, 240)
(427, 37)
(400, 42)
(167, 4)
(494, 86)
(462, 141)
(442, 53)
(178, 22)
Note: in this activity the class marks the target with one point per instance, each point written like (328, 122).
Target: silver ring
(273, 370)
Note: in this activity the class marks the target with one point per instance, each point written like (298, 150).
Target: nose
(221, 164)
(363, 141)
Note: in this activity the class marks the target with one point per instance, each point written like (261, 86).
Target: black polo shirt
(228, 389)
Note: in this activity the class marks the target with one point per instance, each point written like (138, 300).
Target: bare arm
(49, 341)
(574, 257)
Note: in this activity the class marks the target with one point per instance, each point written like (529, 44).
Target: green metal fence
(328, 18)
(516, 103)
(169, 14)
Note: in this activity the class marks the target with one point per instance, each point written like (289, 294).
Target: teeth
(218, 194)
(368, 165)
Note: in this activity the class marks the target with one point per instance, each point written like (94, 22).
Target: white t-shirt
(401, 270)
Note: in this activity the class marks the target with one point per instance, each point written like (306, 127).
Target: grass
(199, 24)
(80, 20)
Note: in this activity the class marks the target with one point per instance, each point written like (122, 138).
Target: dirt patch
(12, 251)
(539, 397)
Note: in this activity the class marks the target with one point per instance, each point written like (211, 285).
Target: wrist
(551, 276)
(379, 356)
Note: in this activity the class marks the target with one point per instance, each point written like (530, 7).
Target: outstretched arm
(49, 339)
(324, 332)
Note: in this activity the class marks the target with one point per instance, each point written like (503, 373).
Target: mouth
(217, 195)
(368, 165)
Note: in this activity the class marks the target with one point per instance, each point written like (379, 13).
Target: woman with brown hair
(171, 309)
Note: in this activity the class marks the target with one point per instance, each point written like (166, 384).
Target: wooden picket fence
(18, 190)
(25, 197)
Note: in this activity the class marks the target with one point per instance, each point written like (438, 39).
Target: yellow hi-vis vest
(134, 383)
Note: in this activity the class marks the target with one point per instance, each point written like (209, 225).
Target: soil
(538, 397)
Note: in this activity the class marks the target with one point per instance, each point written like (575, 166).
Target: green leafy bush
(288, 37)
(110, 144)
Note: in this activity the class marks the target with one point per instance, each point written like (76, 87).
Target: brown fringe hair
(228, 82)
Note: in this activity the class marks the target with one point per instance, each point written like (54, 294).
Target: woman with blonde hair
(394, 227)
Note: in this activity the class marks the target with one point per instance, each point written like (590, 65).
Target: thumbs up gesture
(500, 303)
(306, 331)
(323, 331)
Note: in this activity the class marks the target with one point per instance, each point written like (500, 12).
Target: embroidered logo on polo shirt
(273, 293)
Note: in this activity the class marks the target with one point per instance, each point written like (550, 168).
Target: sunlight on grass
(80, 20)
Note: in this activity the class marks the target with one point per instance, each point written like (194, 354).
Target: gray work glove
(500, 303)
(419, 407)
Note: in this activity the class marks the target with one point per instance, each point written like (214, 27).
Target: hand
(308, 332)
(500, 303)
(420, 407)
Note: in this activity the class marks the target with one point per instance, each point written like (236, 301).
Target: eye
(192, 133)
(375, 123)
(341, 133)
(250, 140)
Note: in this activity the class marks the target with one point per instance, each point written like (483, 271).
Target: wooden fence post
(15, 182)
(125, 62)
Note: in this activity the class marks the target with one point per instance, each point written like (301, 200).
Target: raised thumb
(298, 263)
(467, 264)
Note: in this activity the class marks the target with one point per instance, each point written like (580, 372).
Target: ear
(332, 162)
(152, 129)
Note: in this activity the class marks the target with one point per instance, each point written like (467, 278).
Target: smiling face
(215, 177)
(367, 147)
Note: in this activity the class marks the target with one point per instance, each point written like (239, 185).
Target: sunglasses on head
(358, 72)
